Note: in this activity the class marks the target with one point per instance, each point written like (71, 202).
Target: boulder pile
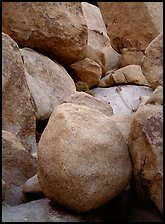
(82, 111)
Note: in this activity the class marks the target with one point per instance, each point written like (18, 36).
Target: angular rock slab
(83, 160)
(18, 111)
(146, 150)
(47, 80)
(124, 99)
(55, 28)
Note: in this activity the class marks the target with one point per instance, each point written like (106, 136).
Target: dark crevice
(40, 126)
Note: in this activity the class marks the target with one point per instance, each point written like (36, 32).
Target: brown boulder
(57, 29)
(83, 160)
(156, 97)
(18, 111)
(146, 150)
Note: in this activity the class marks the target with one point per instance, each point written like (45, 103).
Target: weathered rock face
(47, 80)
(97, 32)
(88, 71)
(131, 74)
(130, 57)
(156, 97)
(18, 165)
(124, 99)
(51, 27)
(126, 30)
(3, 189)
(146, 149)
(91, 165)
(84, 99)
(152, 64)
(18, 108)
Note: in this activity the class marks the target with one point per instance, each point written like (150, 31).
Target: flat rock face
(47, 80)
(45, 26)
(126, 30)
(124, 99)
(85, 99)
(146, 149)
(152, 64)
(42, 211)
(18, 165)
(18, 111)
(83, 160)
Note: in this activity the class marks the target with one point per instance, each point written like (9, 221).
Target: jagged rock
(82, 157)
(3, 189)
(156, 97)
(146, 150)
(18, 111)
(85, 99)
(130, 57)
(47, 80)
(126, 30)
(88, 71)
(18, 165)
(152, 64)
(124, 99)
(57, 29)
(32, 186)
(131, 74)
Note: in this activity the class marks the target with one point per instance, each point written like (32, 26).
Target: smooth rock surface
(32, 186)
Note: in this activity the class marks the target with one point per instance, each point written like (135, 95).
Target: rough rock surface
(88, 71)
(3, 189)
(146, 149)
(85, 99)
(156, 97)
(51, 27)
(43, 211)
(83, 160)
(131, 74)
(124, 99)
(126, 30)
(32, 185)
(18, 111)
(152, 64)
(47, 80)
(18, 165)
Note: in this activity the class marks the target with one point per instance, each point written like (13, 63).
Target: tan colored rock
(97, 32)
(131, 74)
(152, 64)
(126, 30)
(18, 165)
(18, 111)
(3, 189)
(47, 80)
(88, 71)
(82, 157)
(123, 121)
(45, 26)
(156, 97)
(84, 99)
(146, 150)
(111, 58)
(130, 57)
(32, 186)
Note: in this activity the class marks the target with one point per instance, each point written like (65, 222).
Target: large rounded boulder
(83, 160)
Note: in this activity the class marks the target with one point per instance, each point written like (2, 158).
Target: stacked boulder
(97, 88)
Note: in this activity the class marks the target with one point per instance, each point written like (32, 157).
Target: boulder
(47, 80)
(131, 74)
(88, 71)
(3, 189)
(152, 64)
(130, 57)
(18, 111)
(156, 97)
(146, 150)
(43, 210)
(32, 186)
(57, 29)
(84, 99)
(82, 157)
(124, 99)
(18, 165)
(126, 30)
